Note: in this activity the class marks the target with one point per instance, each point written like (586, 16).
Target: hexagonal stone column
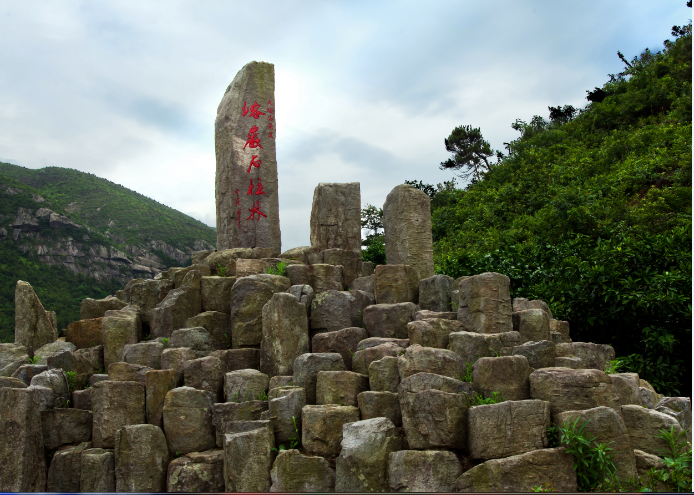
(98, 471)
(197, 472)
(116, 404)
(295, 472)
(322, 428)
(188, 420)
(423, 471)
(141, 459)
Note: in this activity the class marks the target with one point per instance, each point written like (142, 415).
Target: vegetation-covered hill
(128, 216)
(591, 213)
(104, 236)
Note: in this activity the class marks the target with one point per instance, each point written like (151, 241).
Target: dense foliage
(592, 213)
(97, 202)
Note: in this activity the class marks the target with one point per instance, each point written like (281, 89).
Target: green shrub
(279, 269)
(592, 462)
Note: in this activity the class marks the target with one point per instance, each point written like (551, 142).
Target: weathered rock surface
(418, 359)
(679, 408)
(363, 461)
(396, 284)
(285, 334)
(178, 305)
(63, 426)
(239, 359)
(56, 381)
(197, 472)
(562, 328)
(307, 366)
(334, 310)
(389, 320)
(205, 374)
(573, 390)
(595, 356)
(435, 293)
(484, 303)
(96, 308)
(384, 375)
(119, 328)
(12, 356)
(66, 469)
(321, 431)
(157, 385)
(188, 420)
(116, 404)
(85, 333)
(295, 472)
(33, 327)
(226, 414)
(364, 283)
(521, 304)
(284, 406)
(423, 471)
(532, 324)
(508, 428)
(197, 339)
(342, 341)
(235, 129)
(644, 425)
(22, 462)
(243, 385)
(336, 217)
(248, 296)
(605, 426)
(432, 332)
(340, 387)
(144, 353)
(349, 259)
(248, 460)
(141, 459)
(215, 293)
(11, 382)
(320, 277)
(173, 359)
(434, 411)
(539, 354)
(380, 405)
(366, 355)
(52, 349)
(217, 325)
(125, 372)
(407, 229)
(147, 294)
(98, 473)
(626, 385)
(521, 473)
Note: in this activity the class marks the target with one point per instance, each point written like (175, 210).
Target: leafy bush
(279, 269)
(592, 462)
(478, 399)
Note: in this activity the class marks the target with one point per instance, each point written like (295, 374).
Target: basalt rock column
(407, 229)
(336, 217)
(246, 180)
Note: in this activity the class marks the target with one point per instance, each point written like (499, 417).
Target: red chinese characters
(254, 210)
(254, 163)
(258, 188)
(253, 140)
(255, 113)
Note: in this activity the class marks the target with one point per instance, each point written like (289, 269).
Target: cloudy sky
(366, 91)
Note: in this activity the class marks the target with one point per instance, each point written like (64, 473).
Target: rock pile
(336, 377)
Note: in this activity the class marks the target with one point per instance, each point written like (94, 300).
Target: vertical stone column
(336, 217)
(407, 228)
(246, 179)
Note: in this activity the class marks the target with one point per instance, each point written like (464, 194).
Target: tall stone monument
(336, 217)
(407, 229)
(246, 180)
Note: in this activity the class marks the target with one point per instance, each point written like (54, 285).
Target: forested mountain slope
(74, 235)
(591, 212)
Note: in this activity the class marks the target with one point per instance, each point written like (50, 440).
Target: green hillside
(592, 213)
(98, 201)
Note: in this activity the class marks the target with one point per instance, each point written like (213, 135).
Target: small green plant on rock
(547, 487)
(467, 376)
(294, 441)
(613, 366)
(592, 462)
(72, 381)
(479, 400)
(363, 354)
(165, 341)
(222, 270)
(262, 395)
(279, 269)
(34, 360)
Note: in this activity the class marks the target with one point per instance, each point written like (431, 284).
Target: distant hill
(87, 231)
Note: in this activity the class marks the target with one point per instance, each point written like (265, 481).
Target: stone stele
(246, 180)
(407, 229)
